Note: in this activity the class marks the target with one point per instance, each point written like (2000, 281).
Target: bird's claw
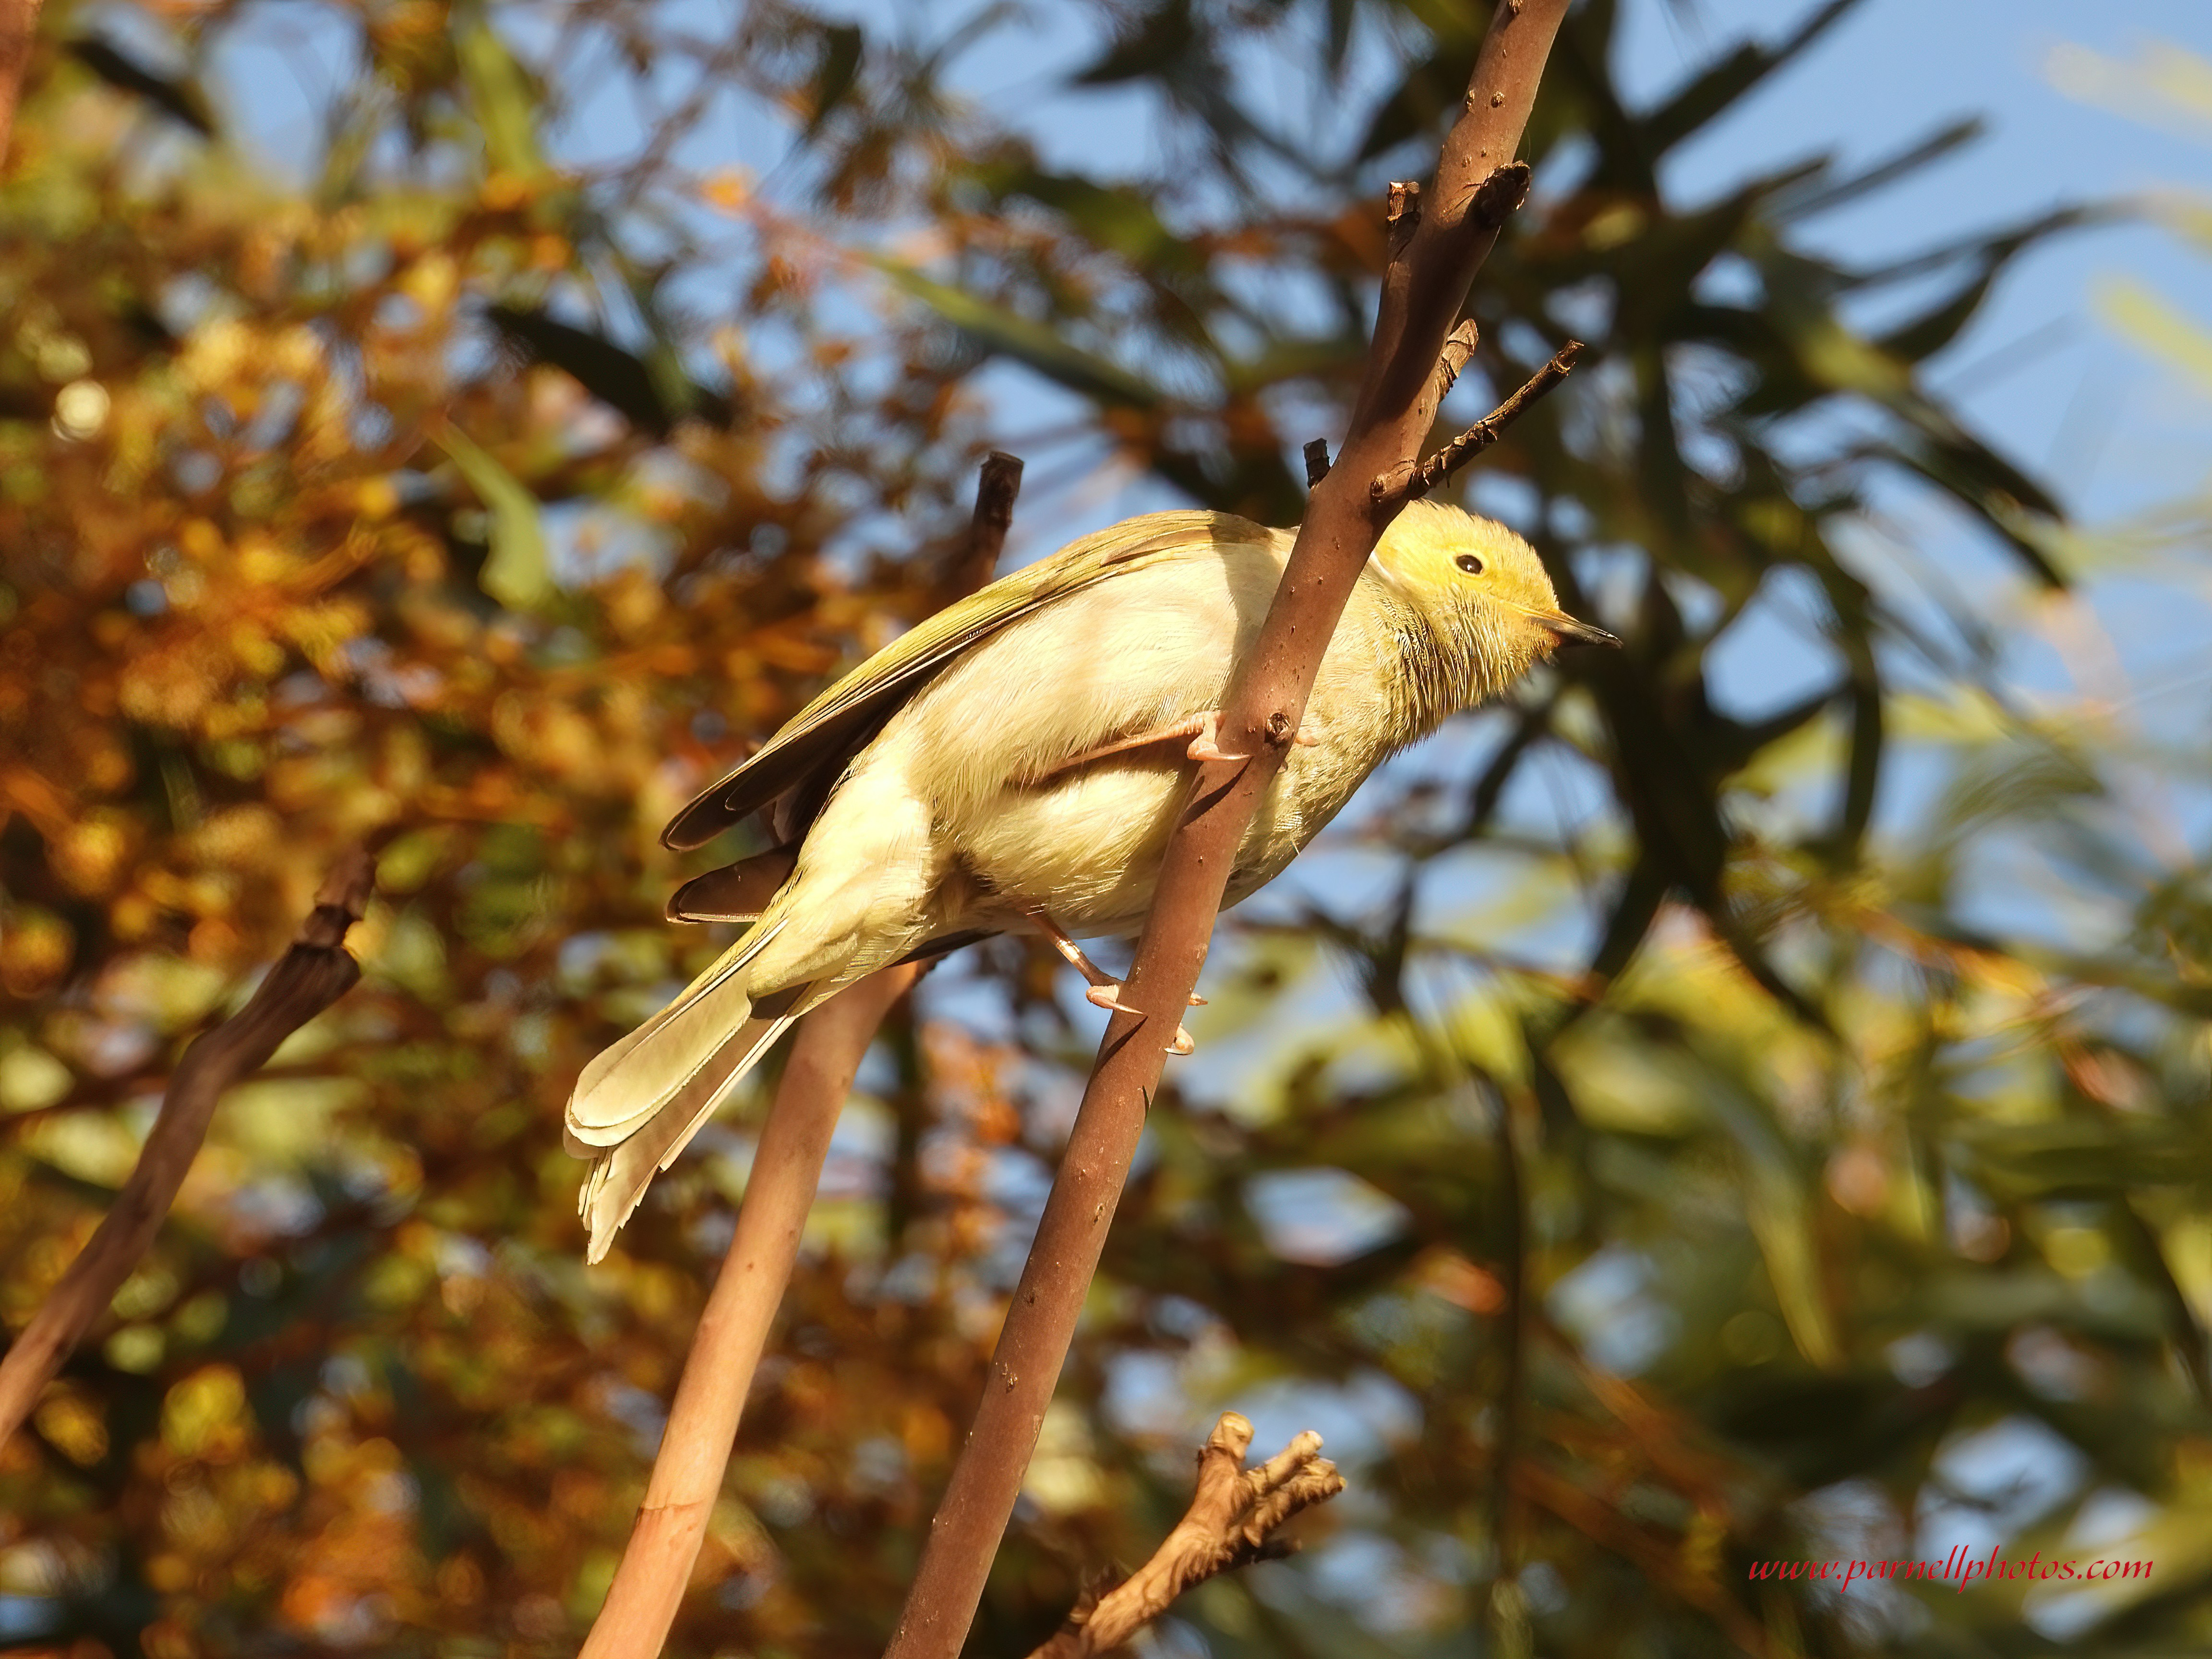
(1203, 748)
(1108, 997)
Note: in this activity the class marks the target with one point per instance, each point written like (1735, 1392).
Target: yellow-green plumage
(925, 795)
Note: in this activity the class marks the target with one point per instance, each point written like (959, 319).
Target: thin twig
(315, 973)
(1232, 1522)
(1458, 353)
(19, 26)
(1424, 289)
(996, 490)
(1401, 217)
(1408, 483)
(648, 1584)
(702, 1419)
(1509, 1611)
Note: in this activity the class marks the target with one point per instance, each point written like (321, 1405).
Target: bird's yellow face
(1483, 589)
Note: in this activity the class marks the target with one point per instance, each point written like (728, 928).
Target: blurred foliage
(1824, 1079)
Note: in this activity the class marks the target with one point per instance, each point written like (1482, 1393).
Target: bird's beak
(1570, 631)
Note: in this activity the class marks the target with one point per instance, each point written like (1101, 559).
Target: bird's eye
(1470, 562)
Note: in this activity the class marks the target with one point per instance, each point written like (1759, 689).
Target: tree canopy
(1657, 1133)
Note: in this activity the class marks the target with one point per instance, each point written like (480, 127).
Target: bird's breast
(1140, 651)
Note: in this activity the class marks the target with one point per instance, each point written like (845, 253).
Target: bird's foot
(1204, 746)
(1109, 996)
(1200, 733)
(1105, 990)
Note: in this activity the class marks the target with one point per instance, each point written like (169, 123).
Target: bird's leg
(1105, 990)
(1201, 729)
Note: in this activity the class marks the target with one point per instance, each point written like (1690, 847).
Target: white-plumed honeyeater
(1013, 764)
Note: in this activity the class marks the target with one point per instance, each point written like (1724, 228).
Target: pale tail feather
(621, 1174)
(631, 1081)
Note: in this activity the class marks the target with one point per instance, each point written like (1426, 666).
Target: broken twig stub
(1232, 1521)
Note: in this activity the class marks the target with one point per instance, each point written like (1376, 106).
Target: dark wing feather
(736, 892)
(811, 752)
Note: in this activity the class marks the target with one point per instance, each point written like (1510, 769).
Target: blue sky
(2041, 373)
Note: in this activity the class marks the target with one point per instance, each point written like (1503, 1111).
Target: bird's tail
(638, 1104)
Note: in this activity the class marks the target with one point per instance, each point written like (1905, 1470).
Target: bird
(1014, 763)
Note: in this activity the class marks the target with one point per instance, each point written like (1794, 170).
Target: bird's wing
(811, 750)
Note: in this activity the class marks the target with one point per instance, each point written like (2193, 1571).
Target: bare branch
(1424, 289)
(19, 26)
(1406, 482)
(308, 978)
(710, 1397)
(1401, 217)
(1231, 1522)
(1458, 352)
(1316, 461)
(1499, 196)
(996, 490)
(702, 1419)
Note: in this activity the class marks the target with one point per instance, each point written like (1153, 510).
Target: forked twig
(1231, 1521)
(308, 978)
(1410, 481)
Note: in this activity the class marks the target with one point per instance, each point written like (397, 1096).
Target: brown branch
(1231, 1523)
(1407, 481)
(1316, 454)
(1401, 217)
(19, 28)
(308, 978)
(702, 1419)
(725, 1351)
(1423, 290)
(1509, 1612)
(996, 490)
(1458, 353)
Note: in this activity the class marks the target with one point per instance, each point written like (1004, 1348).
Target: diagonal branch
(1478, 184)
(19, 26)
(1408, 482)
(663, 1544)
(995, 489)
(308, 978)
(1452, 361)
(702, 1419)
(1316, 454)
(1231, 1523)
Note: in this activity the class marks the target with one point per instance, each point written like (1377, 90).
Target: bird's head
(1483, 589)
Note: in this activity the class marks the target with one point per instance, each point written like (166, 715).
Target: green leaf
(1422, 94)
(1035, 343)
(615, 377)
(1112, 216)
(1717, 89)
(502, 92)
(2153, 322)
(1157, 39)
(519, 574)
(837, 73)
(179, 97)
